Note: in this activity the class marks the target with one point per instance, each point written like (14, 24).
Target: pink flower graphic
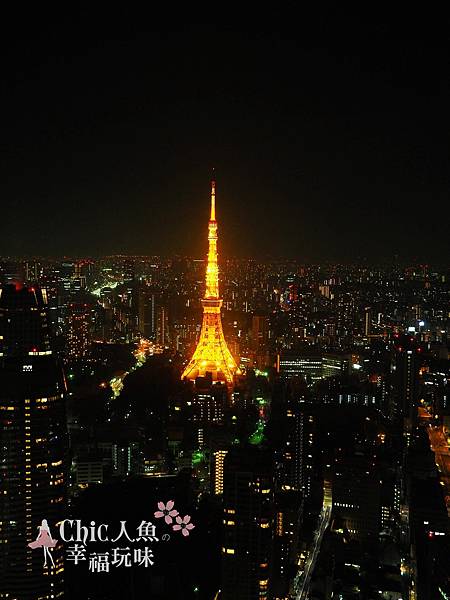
(183, 525)
(165, 510)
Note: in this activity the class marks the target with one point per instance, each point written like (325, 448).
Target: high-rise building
(248, 507)
(290, 476)
(308, 452)
(311, 366)
(162, 326)
(78, 331)
(72, 283)
(367, 321)
(260, 339)
(357, 495)
(293, 438)
(153, 315)
(147, 312)
(217, 471)
(32, 445)
(288, 517)
(209, 402)
(129, 271)
(212, 354)
(406, 380)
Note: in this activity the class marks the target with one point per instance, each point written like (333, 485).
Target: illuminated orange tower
(212, 354)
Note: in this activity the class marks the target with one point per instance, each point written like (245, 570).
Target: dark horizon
(329, 139)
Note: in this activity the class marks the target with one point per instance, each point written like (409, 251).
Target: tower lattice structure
(212, 354)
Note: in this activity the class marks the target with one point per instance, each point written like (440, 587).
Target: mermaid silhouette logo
(44, 540)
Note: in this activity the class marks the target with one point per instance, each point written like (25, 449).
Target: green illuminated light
(258, 435)
(198, 457)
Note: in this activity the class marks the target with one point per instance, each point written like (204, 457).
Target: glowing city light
(212, 354)
(257, 436)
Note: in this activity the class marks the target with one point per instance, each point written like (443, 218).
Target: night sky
(329, 136)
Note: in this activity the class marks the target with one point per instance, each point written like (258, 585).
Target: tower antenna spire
(213, 196)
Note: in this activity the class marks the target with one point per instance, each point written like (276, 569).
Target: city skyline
(329, 442)
(241, 400)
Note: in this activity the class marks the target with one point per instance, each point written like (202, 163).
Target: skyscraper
(367, 321)
(288, 516)
(357, 494)
(146, 311)
(260, 338)
(248, 508)
(209, 402)
(217, 471)
(212, 354)
(32, 445)
(406, 380)
(78, 331)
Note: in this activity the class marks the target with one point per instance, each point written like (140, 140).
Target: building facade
(32, 446)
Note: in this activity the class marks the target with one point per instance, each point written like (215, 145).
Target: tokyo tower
(212, 354)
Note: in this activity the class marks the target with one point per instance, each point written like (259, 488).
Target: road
(442, 458)
(304, 580)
